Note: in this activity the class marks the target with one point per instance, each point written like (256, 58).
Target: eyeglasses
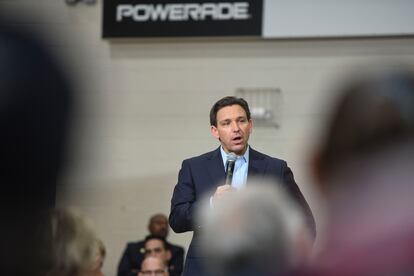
(155, 250)
(157, 272)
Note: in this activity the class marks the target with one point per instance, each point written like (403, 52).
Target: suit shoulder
(266, 157)
(201, 157)
(135, 244)
(175, 247)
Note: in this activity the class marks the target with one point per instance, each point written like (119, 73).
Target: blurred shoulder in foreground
(257, 231)
(35, 102)
(364, 167)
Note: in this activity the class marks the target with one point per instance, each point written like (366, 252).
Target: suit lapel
(215, 168)
(257, 164)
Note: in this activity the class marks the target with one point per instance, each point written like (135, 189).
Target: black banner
(163, 18)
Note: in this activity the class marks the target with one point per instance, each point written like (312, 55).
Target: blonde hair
(101, 248)
(73, 243)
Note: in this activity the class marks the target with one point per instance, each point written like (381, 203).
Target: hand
(222, 191)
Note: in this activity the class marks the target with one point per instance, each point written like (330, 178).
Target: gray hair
(251, 232)
(73, 243)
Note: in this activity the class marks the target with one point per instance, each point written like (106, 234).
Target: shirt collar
(224, 154)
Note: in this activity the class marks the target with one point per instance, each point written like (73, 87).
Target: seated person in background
(153, 266)
(157, 247)
(134, 253)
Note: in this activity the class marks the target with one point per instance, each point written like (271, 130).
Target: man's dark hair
(154, 218)
(227, 101)
(156, 237)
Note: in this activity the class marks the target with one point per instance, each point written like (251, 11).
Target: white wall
(337, 18)
(144, 107)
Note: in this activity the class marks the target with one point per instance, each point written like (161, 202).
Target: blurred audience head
(35, 100)
(35, 104)
(158, 225)
(374, 113)
(153, 266)
(365, 169)
(96, 269)
(256, 231)
(71, 245)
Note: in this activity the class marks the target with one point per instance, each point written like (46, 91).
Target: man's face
(159, 226)
(155, 248)
(233, 129)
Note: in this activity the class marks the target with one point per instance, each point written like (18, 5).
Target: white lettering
(177, 12)
(226, 11)
(193, 11)
(184, 11)
(142, 12)
(159, 12)
(240, 10)
(208, 9)
(123, 11)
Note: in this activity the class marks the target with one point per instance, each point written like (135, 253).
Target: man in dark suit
(134, 252)
(205, 174)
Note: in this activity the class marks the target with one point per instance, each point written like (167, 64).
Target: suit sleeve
(183, 201)
(177, 262)
(297, 195)
(126, 267)
(123, 266)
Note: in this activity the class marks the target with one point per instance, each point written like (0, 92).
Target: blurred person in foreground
(134, 252)
(153, 266)
(365, 168)
(257, 231)
(96, 269)
(35, 104)
(70, 245)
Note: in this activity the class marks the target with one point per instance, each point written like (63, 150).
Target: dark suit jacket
(134, 254)
(202, 174)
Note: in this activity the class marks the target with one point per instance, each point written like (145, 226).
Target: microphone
(231, 161)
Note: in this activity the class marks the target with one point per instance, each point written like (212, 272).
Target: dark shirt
(134, 254)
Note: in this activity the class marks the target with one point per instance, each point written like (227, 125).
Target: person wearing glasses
(134, 253)
(153, 266)
(156, 246)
